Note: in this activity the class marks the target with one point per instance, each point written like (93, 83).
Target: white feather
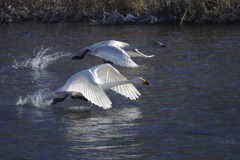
(86, 84)
(119, 52)
(114, 54)
(137, 53)
(108, 74)
(92, 82)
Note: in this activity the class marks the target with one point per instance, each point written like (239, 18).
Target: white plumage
(92, 82)
(114, 54)
(117, 52)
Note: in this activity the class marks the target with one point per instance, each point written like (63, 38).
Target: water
(40, 60)
(191, 110)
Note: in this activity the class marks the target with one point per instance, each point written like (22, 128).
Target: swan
(90, 84)
(117, 52)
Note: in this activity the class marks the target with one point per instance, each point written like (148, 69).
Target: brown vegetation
(121, 11)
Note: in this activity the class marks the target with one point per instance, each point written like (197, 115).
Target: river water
(191, 110)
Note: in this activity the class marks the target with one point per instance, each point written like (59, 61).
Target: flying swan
(90, 84)
(117, 52)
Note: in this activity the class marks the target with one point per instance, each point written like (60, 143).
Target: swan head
(139, 80)
(158, 44)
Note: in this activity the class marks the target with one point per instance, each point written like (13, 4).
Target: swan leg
(81, 56)
(78, 57)
(107, 61)
(82, 98)
(57, 100)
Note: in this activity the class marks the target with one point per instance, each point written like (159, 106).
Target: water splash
(41, 60)
(41, 99)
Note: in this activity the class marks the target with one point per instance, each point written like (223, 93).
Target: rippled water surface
(191, 110)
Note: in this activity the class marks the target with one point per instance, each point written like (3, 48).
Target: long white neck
(137, 46)
(107, 86)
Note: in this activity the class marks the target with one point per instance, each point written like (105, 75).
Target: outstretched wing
(137, 53)
(85, 83)
(108, 74)
(114, 54)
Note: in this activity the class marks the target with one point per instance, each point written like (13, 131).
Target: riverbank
(108, 12)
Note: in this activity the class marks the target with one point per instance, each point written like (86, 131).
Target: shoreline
(110, 12)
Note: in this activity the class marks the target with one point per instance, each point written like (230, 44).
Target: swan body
(117, 52)
(90, 85)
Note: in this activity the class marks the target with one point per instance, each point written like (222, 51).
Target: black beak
(146, 83)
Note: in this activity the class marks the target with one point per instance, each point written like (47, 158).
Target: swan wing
(102, 43)
(137, 53)
(87, 84)
(114, 54)
(92, 47)
(115, 43)
(107, 73)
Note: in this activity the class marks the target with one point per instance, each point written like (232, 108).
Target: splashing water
(40, 61)
(40, 99)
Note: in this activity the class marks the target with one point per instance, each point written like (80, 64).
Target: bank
(108, 12)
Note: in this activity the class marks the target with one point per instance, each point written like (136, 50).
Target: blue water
(191, 110)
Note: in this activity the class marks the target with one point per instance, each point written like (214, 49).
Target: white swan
(90, 85)
(117, 52)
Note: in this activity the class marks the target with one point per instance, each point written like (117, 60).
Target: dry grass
(180, 11)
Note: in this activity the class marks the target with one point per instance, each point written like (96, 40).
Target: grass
(179, 11)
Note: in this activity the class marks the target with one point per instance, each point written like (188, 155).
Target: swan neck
(107, 86)
(137, 46)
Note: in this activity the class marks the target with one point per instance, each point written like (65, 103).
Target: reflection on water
(98, 132)
(95, 128)
(191, 110)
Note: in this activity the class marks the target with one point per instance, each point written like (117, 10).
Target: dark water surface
(191, 110)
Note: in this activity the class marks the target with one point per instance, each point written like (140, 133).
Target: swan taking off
(90, 85)
(117, 52)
